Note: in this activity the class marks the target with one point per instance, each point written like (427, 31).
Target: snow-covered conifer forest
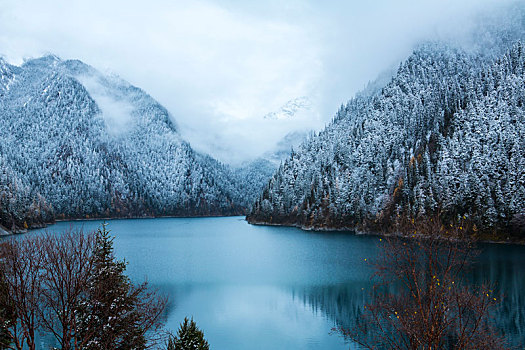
(75, 143)
(446, 134)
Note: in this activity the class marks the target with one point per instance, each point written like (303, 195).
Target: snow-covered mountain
(446, 134)
(290, 109)
(76, 143)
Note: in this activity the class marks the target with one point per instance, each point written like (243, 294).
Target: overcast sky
(220, 66)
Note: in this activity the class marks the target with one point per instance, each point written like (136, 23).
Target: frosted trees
(59, 156)
(115, 313)
(451, 122)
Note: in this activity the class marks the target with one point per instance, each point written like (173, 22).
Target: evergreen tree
(171, 344)
(189, 337)
(115, 314)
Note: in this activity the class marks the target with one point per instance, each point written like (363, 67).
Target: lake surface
(268, 287)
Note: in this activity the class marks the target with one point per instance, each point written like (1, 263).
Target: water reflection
(341, 303)
(499, 265)
(503, 266)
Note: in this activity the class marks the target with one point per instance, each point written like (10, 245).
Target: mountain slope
(446, 134)
(76, 143)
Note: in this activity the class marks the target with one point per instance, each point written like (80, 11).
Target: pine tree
(116, 314)
(189, 337)
(171, 344)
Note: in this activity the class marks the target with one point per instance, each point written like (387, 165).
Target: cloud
(117, 113)
(220, 66)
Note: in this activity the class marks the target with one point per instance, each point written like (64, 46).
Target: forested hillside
(446, 134)
(75, 143)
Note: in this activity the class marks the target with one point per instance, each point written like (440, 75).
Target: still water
(259, 287)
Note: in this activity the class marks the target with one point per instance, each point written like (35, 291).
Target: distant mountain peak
(46, 61)
(290, 109)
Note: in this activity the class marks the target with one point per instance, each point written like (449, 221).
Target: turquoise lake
(268, 287)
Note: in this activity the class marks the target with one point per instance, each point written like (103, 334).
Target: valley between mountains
(445, 134)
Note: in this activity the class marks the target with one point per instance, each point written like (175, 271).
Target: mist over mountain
(282, 149)
(76, 143)
(255, 174)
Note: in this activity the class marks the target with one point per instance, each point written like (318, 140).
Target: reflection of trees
(503, 266)
(343, 304)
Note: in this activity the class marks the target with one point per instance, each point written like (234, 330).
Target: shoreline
(145, 217)
(6, 233)
(354, 231)
(359, 232)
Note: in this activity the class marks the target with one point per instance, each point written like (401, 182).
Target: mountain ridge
(445, 135)
(69, 150)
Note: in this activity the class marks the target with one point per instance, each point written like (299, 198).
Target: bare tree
(67, 266)
(20, 263)
(422, 299)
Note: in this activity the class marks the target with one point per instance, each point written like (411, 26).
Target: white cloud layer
(220, 66)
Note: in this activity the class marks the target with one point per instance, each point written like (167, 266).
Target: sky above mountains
(221, 66)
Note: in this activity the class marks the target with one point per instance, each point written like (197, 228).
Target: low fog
(117, 113)
(221, 66)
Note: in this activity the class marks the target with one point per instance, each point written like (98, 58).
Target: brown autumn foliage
(67, 265)
(47, 279)
(20, 263)
(422, 299)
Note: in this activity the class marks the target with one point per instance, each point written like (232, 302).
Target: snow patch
(290, 109)
(7, 78)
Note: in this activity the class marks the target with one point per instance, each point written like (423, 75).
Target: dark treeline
(447, 135)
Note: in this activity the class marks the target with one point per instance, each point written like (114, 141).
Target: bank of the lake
(481, 238)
